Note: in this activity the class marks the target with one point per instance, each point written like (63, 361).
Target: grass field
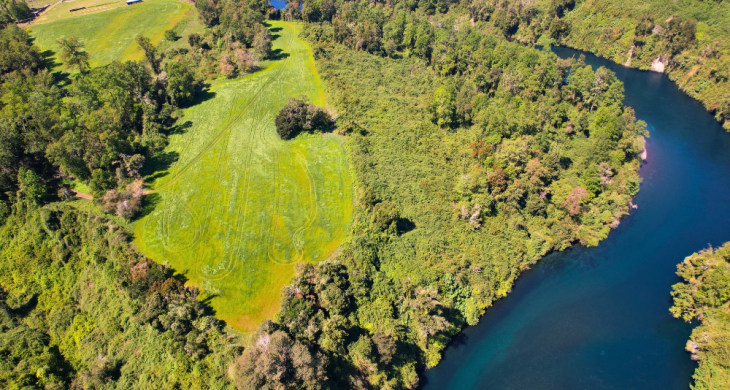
(110, 35)
(239, 207)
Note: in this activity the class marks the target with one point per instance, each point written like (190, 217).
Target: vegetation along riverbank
(704, 295)
(686, 39)
(468, 158)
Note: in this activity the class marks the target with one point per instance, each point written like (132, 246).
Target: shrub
(171, 36)
(125, 204)
(298, 115)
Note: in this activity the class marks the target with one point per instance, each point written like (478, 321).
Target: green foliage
(687, 38)
(181, 83)
(73, 53)
(31, 186)
(18, 52)
(171, 35)
(97, 129)
(443, 106)
(13, 12)
(704, 295)
(299, 116)
(275, 360)
(80, 308)
(235, 207)
(150, 52)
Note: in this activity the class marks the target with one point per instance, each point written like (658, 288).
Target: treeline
(235, 41)
(98, 126)
(685, 39)
(79, 308)
(704, 295)
(473, 157)
(13, 11)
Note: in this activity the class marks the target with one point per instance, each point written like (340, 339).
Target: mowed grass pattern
(110, 35)
(240, 206)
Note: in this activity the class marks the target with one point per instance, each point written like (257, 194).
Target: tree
(276, 361)
(171, 36)
(298, 115)
(17, 51)
(73, 53)
(30, 186)
(679, 33)
(13, 11)
(149, 52)
(575, 200)
(443, 106)
(262, 42)
(180, 83)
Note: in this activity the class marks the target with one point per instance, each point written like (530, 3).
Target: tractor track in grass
(226, 130)
(240, 206)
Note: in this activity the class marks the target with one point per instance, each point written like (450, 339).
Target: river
(597, 318)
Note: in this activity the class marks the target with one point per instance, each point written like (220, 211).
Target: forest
(703, 295)
(686, 39)
(472, 156)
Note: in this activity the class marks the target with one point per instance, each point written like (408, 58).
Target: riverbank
(599, 317)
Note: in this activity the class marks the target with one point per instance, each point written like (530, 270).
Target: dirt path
(81, 195)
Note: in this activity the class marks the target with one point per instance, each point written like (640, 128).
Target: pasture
(109, 35)
(233, 207)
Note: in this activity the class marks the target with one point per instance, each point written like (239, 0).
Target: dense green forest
(472, 158)
(704, 296)
(686, 39)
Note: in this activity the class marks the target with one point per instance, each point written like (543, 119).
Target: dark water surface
(598, 318)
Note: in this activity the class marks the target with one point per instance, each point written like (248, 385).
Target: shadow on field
(200, 97)
(159, 164)
(49, 62)
(275, 30)
(181, 128)
(278, 54)
(149, 202)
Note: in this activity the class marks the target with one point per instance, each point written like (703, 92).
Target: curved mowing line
(225, 130)
(232, 260)
(254, 105)
(312, 204)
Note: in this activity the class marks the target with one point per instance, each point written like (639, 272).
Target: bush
(298, 115)
(171, 36)
(125, 204)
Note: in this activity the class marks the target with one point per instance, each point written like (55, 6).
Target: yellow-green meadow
(109, 35)
(238, 207)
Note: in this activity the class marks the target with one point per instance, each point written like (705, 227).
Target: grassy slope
(110, 35)
(240, 207)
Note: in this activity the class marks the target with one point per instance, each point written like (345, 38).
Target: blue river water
(597, 318)
(278, 4)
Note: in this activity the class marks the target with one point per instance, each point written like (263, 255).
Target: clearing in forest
(109, 35)
(238, 207)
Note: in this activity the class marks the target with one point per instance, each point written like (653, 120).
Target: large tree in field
(73, 53)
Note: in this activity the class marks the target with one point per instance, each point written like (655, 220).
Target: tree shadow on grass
(181, 128)
(61, 77)
(203, 95)
(149, 203)
(159, 165)
(278, 54)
